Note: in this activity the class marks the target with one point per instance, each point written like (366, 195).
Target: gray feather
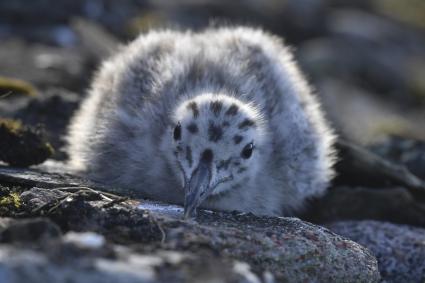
(119, 136)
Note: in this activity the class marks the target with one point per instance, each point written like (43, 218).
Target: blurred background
(365, 58)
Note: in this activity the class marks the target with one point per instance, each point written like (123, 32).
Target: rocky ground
(366, 59)
(149, 242)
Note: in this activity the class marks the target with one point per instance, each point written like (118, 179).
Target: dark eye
(177, 132)
(247, 150)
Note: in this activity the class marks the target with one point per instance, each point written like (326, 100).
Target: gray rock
(27, 230)
(390, 204)
(400, 249)
(30, 20)
(409, 152)
(52, 263)
(53, 109)
(288, 248)
(43, 65)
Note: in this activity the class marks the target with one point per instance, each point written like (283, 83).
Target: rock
(395, 204)
(63, 261)
(36, 197)
(53, 109)
(31, 20)
(22, 145)
(27, 230)
(400, 249)
(409, 12)
(87, 240)
(45, 66)
(409, 152)
(288, 248)
(99, 43)
(358, 166)
(385, 58)
(364, 117)
(33, 177)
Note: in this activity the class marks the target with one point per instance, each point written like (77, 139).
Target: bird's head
(216, 143)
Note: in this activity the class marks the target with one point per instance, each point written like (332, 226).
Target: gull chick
(222, 119)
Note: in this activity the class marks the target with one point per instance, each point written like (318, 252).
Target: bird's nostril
(207, 156)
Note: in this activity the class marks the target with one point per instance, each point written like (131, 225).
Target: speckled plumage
(224, 88)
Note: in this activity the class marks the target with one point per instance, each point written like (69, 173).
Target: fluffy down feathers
(122, 134)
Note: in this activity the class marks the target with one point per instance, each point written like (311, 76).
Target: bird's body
(225, 110)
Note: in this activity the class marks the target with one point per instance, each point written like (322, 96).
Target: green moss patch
(10, 201)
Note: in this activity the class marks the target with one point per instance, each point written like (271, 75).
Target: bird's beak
(197, 189)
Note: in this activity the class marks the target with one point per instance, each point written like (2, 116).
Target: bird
(220, 119)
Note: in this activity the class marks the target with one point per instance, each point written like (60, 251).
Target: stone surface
(52, 109)
(411, 153)
(400, 249)
(44, 65)
(68, 260)
(21, 145)
(288, 248)
(30, 230)
(392, 204)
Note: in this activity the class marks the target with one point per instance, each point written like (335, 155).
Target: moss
(10, 201)
(21, 145)
(12, 86)
(13, 199)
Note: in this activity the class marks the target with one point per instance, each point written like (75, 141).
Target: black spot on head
(233, 110)
(237, 139)
(177, 134)
(194, 107)
(236, 186)
(246, 123)
(224, 164)
(189, 155)
(241, 170)
(216, 107)
(214, 132)
(192, 128)
(207, 156)
(178, 150)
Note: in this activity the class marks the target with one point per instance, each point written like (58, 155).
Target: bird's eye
(247, 150)
(177, 132)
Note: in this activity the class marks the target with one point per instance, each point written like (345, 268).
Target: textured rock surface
(400, 249)
(288, 248)
(411, 153)
(52, 110)
(391, 204)
(21, 145)
(85, 257)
